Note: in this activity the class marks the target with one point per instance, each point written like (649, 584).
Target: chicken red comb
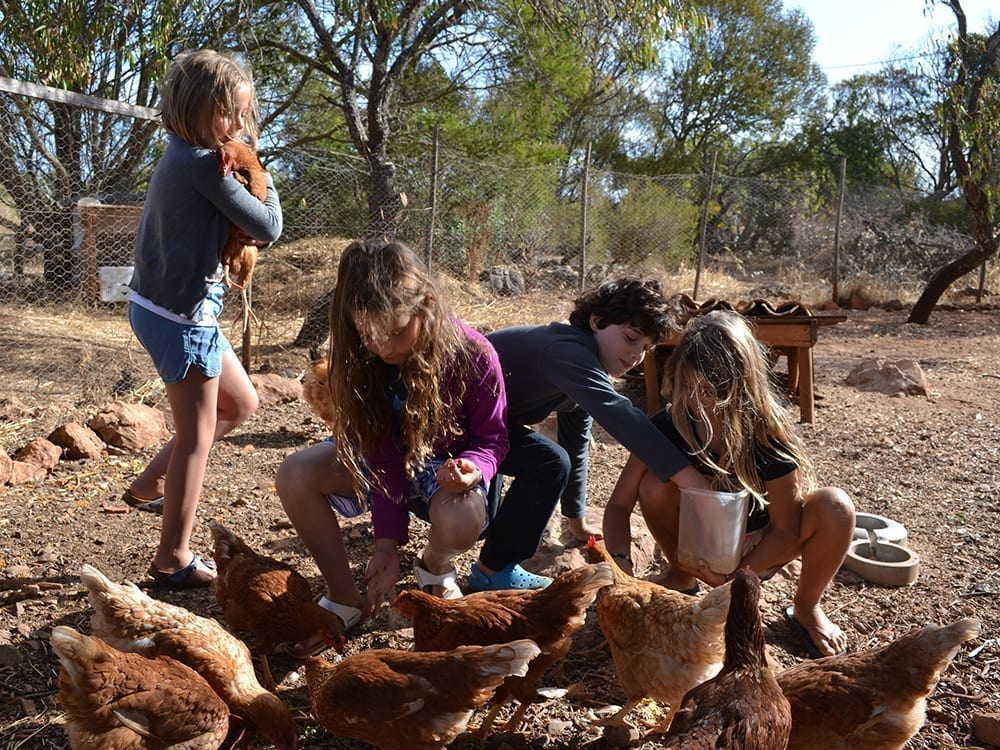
(591, 542)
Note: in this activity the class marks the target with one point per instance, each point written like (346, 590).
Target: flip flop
(150, 506)
(812, 650)
(350, 616)
(183, 578)
(447, 581)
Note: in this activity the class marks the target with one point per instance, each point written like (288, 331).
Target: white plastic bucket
(114, 282)
(711, 527)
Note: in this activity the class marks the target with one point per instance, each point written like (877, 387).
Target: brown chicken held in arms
(238, 159)
(316, 391)
(663, 642)
(742, 707)
(875, 698)
(268, 598)
(129, 620)
(120, 701)
(402, 700)
(547, 616)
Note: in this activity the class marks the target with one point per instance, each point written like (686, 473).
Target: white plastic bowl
(892, 564)
(885, 529)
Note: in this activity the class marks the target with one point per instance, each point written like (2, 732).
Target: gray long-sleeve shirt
(185, 222)
(555, 367)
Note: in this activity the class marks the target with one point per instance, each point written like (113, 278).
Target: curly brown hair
(377, 280)
(631, 301)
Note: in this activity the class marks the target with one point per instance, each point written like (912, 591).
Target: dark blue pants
(536, 471)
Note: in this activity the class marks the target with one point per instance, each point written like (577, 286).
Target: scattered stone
(274, 389)
(40, 452)
(6, 467)
(77, 441)
(134, 427)
(900, 378)
(986, 728)
(23, 473)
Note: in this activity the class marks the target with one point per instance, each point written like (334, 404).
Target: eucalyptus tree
(363, 51)
(971, 114)
(744, 79)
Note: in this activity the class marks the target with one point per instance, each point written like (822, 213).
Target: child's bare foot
(582, 530)
(677, 580)
(824, 635)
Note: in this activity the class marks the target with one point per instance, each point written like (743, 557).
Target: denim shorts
(174, 347)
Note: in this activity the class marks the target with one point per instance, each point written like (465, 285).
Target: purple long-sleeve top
(482, 416)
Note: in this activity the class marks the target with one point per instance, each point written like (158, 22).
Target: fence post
(836, 231)
(583, 219)
(704, 226)
(433, 199)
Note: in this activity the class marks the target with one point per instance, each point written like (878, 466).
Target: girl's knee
(459, 518)
(833, 508)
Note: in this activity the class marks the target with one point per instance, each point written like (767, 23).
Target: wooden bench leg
(652, 376)
(806, 397)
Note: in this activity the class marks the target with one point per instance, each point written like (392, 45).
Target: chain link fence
(69, 210)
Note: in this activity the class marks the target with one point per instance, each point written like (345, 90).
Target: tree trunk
(942, 279)
(385, 206)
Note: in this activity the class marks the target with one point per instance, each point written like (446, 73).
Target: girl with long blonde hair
(724, 413)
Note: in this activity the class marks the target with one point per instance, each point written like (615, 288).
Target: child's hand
(458, 475)
(381, 576)
(246, 239)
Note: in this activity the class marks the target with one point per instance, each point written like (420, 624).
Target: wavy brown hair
(377, 280)
(718, 351)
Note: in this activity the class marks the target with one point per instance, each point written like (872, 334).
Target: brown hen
(239, 159)
(121, 701)
(742, 707)
(410, 701)
(316, 391)
(131, 621)
(872, 699)
(663, 642)
(547, 616)
(268, 598)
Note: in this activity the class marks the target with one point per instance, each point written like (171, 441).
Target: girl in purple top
(419, 426)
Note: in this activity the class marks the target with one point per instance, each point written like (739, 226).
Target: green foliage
(648, 225)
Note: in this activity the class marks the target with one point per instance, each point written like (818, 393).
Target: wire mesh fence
(71, 196)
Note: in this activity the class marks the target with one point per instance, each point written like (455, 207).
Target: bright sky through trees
(858, 36)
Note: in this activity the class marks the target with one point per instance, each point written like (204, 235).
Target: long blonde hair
(199, 86)
(718, 352)
(379, 279)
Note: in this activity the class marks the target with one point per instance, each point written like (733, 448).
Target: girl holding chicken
(176, 292)
(418, 425)
(725, 415)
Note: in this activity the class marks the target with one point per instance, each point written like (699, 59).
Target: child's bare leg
(827, 530)
(456, 523)
(192, 402)
(303, 481)
(236, 402)
(660, 503)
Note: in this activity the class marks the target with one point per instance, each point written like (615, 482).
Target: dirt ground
(930, 463)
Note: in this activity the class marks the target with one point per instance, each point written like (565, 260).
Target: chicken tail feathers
(502, 659)
(73, 649)
(940, 643)
(227, 544)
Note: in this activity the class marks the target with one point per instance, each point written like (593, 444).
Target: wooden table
(792, 336)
